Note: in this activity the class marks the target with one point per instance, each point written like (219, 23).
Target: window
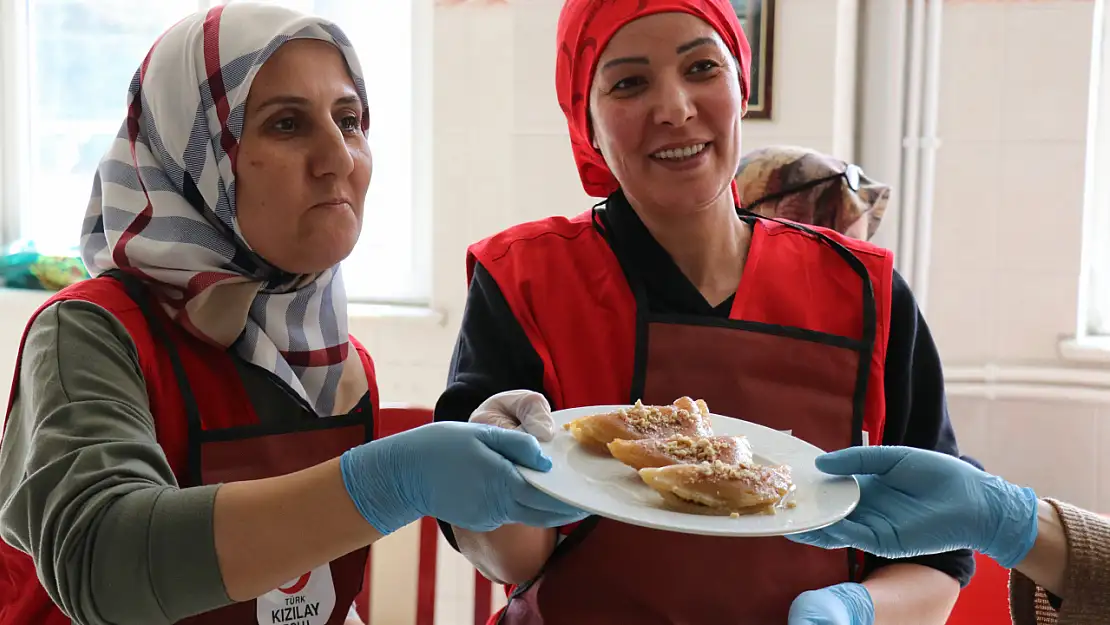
(64, 70)
(1095, 277)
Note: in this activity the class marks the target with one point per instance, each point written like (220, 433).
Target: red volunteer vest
(223, 407)
(808, 295)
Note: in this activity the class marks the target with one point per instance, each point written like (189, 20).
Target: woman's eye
(627, 83)
(704, 66)
(287, 124)
(350, 123)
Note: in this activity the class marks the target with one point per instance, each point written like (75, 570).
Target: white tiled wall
(1006, 235)
(1007, 232)
(1009, 193)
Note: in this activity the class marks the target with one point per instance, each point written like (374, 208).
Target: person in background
(915, 502)
(668, 289)
(806, 186)
(187, 436)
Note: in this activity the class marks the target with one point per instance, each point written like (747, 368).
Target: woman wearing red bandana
(668, 289)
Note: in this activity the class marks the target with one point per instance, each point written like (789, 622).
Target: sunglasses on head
(852, 174)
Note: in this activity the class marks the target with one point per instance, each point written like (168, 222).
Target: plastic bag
(22, 267)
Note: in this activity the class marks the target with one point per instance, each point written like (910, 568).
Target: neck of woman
(709, 245)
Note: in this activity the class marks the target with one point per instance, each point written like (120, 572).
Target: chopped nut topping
(649, 419)
(700, 449)
(775, 476)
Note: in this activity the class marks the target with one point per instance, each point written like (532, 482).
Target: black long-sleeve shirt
(493, 354)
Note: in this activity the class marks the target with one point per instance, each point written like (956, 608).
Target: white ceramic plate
(606, 487)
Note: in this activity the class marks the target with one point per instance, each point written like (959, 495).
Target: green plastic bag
(22, 267)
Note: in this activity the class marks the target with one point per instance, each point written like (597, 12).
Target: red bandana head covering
(585, 28)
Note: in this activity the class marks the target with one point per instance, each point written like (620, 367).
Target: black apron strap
(870, 319)
(138, 292)
(863, 372)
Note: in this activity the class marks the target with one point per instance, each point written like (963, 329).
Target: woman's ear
(743, 88)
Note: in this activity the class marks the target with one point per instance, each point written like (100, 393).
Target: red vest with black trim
(566, 287)
(222, 402)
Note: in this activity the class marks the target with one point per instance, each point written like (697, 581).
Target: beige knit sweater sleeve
(1086, 580)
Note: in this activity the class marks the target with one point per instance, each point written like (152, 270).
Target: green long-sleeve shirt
(88, 492)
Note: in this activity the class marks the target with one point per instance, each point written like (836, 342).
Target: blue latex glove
(915, 502)
(460, 473)
(843, 604)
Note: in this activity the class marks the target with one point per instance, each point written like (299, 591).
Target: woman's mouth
(684, 158)
(680, 154)
(341, 202)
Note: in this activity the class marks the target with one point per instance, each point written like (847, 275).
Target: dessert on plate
(676, 453)
(681, 449)
(719, 488)
(684, 417)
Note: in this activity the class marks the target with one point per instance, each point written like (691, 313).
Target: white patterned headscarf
(163, 205)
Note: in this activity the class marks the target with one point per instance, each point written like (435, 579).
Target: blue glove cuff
(857, 599)
(1017, 526)
(376, 495)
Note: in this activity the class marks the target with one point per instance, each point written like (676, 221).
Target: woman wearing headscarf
(187, 438)
(806, 186)
(916, 502)
(665, 289)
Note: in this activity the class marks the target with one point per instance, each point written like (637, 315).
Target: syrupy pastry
(682, 449)
(719, 488)
(685, 416)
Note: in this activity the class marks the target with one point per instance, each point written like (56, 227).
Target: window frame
(14, 139)
(1094, 278)
(15, 172)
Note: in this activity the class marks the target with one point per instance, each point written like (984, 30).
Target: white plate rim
(554, 483)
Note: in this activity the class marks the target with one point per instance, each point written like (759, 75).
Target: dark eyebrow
(293, 100)
(638, 60)
(690, 45)
(643, 60)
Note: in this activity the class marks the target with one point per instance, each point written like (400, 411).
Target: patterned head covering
(811, 188)
(163, 204)
(585, 28)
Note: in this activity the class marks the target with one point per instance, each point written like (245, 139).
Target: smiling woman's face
(303, 164)
(665, 108)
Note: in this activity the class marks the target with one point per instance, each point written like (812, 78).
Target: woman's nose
(332, 155)
(674, 105)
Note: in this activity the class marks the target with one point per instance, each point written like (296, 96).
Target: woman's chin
(677, 191)
(316, 255)
(687, 198)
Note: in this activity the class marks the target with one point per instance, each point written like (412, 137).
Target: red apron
(789, 378)
(224, 440)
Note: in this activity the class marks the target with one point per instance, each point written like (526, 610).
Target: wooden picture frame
(758, 19)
